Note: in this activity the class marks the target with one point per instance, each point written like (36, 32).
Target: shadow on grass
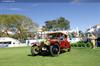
(46, 55)
(40, 55)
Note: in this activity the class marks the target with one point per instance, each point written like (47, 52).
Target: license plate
(44, 48)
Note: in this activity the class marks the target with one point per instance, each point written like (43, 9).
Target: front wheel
(55, 50)
(34, 50)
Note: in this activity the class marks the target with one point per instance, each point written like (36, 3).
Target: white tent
(9, 42)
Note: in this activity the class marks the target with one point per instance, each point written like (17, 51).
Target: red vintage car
(53, 43)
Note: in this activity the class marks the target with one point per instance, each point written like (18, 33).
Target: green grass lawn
(77, 57)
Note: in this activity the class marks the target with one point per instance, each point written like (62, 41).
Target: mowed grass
(77, 57)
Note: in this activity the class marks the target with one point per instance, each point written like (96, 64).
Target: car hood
(38, 40)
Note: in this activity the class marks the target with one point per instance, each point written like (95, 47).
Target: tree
(18, 24)
(58, 24)
(63, 24)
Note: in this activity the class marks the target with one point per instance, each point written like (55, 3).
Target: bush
(88, 44)
(72, 45)
(81, 44)
(75, 45)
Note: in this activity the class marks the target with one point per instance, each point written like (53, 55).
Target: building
(95, 29)
(9, 42)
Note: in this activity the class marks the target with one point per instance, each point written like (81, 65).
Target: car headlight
(46, 42)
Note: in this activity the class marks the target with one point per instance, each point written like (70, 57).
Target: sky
(80, 14)
(49, 0)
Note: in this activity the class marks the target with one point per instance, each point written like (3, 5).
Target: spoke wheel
(34, 50)
(55, 50)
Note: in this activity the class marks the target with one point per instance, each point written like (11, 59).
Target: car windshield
(40, 36)
(49, 36)
(55, 35)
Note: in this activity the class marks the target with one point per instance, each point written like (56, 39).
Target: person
(93, 40)
(85, 39)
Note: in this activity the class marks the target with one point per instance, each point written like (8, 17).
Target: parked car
(53, 43)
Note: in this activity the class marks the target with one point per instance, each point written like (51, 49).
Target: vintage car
(51, 43)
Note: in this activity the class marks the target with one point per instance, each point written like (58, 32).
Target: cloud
(15, 9)
(84, 1)
(35, 4)
(12, 8)
(75, 1)
(7, 0)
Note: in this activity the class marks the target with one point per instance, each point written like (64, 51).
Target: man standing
(93, 40)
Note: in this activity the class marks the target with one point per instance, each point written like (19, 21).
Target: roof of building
(5, 39)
